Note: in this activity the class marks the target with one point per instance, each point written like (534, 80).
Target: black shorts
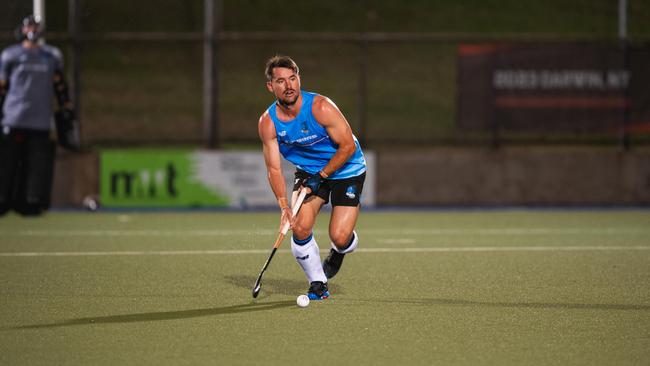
(344, 192)
(26, 170)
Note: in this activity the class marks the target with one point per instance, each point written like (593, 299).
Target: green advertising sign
(155, 178)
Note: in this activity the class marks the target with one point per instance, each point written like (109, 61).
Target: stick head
(256, 289)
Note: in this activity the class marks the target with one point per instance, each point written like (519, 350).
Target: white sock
(308, 257)
(351, 246)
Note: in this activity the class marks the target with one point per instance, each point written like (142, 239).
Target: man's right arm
(4, 79)
(3, 94)
(273, 163)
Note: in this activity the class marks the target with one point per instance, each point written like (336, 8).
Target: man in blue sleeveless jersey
(309, 131)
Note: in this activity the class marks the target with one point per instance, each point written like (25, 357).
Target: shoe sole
(315, 297)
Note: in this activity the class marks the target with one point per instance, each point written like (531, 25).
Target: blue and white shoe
(318, 291)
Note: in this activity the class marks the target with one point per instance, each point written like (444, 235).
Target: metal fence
(206, 86)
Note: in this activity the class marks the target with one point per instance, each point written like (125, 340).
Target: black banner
(554, 87)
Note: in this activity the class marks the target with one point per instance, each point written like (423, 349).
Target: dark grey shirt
(29, 73)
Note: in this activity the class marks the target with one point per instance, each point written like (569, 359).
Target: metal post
(362, 98)
(622, 35)
(74, 50)
(39, 13)
(210, 119)
(622, 19)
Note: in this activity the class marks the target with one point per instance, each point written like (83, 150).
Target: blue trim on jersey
(306, 144)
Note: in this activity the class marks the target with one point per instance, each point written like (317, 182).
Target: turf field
(497, 287)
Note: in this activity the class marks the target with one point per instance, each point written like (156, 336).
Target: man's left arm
(330, 117)
(61, 90)
(65, 116)
(59, 82)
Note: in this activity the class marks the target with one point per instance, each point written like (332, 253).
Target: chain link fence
(393, 71)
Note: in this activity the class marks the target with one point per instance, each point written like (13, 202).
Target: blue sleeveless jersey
(306, 144)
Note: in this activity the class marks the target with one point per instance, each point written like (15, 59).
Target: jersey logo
(282, 133)
(304, 129)
(351, 192)
(303, 258)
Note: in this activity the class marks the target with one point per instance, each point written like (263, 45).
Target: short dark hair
(280, 61)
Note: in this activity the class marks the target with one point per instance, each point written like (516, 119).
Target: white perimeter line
(361, 250)
(254, 232)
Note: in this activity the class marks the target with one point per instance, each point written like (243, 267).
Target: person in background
(31, 75)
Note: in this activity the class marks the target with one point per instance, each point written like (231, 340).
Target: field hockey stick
(294, 197)
(283, 231)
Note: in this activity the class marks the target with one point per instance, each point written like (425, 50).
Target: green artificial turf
(493, 287)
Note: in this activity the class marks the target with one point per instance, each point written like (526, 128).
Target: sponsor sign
(553, 87)
(194, 178)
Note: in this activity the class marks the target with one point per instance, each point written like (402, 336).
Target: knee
(340, 238)
(301, 232)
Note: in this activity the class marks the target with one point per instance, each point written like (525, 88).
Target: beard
(288, 101)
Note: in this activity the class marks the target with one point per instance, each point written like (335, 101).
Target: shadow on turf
(165, 315)
(277, 286)
(524, 305)
(269, 286)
